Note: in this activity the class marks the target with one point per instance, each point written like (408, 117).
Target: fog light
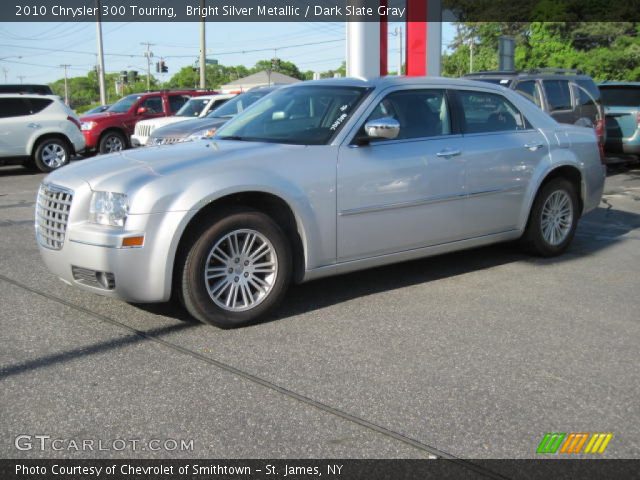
(94, 278)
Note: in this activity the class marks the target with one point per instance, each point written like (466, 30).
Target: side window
(558, 95)
(176, 102)
(153, 104)
(13, 107)
(217, 103)
(421, 113)
(489, 112)
(529, 90)
(39, 104)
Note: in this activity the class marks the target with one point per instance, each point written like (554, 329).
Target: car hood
(97, 117)
(167, 168)
(162, 121)
(189, 127)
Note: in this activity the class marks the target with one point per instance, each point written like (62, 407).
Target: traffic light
(163, 67)
(124, 76)
(157, 67)
(133, 76)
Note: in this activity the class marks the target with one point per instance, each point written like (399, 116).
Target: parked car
(206, 127)
(26, 88)
(317, 179)
(622, 110)
(110, 130)
(98, 109)
(196, 107)
(38, 131)
(567, 95)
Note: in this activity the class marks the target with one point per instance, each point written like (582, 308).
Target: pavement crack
(267, 384)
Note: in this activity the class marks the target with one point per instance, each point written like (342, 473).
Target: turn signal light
(133, 241)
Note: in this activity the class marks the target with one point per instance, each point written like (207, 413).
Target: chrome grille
(142, 130)
(169, 140)
(52, 215)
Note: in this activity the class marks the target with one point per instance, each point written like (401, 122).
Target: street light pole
(203, 50)
(66, 86)
(103, 90)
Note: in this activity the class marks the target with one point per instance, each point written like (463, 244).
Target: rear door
(16, 126)
(559, 103)
(501, 150)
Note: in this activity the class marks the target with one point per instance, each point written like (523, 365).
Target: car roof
(530, 75)
(392, 81)
(216, 95)
(618, 84)
(28, 95)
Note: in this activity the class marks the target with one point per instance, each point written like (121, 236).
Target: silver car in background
(318, 179)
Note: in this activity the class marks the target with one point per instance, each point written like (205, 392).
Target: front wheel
(553, 219)
(237, 270)
(112, 142)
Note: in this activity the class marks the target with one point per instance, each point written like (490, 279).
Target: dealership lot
(475, 354)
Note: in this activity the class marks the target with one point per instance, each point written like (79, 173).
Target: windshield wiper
(232, 137)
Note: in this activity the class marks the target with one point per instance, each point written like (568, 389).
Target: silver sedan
(318, 179)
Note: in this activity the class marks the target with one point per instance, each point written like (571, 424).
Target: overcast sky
(35, 50)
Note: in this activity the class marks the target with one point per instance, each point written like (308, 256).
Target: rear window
(591, 87)
(621, 96)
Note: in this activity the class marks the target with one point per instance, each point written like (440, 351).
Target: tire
(236, 294)
(51, 154)
(111, 142)
(555, 206)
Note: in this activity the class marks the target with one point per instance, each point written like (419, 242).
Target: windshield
(238, 104)
(621, 96)
(193, 107)
(124, 104)
(306, 115)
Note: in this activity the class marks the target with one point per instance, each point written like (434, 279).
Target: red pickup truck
(110, 130)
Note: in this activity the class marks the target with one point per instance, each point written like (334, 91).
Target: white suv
(38, 131)
(196, 107)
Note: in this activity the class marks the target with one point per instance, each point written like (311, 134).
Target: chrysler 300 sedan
(317, 179)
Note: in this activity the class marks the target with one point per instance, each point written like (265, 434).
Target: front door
(405, 193)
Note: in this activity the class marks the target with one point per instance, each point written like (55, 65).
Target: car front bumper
(138, 141)
(139, 274)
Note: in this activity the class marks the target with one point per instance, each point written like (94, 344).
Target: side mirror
(141, 110)
(386, 127)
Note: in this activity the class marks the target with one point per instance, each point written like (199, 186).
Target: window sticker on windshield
(503, 81)
(344, 107)
(338, 122)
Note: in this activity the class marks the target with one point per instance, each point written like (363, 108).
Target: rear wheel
(51, 154)
(553, 219)
(112, 142)
(236, 270)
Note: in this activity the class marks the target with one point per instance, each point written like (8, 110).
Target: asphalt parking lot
(472, 355)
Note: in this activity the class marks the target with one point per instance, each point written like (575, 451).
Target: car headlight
(208, 133)
(87, 125)
(108, 208)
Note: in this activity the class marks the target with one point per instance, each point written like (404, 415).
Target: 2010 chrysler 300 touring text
(317, 179)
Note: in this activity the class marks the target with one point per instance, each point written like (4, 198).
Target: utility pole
(66, 86)
(103, 89)
(5, 70)
(471, 55)
(203, 50)
(149, 55)
(21, 77)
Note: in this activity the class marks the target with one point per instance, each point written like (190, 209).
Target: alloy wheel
(557, 217)
(241, 270)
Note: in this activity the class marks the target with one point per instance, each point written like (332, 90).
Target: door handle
(447, 153)
(533, 146)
